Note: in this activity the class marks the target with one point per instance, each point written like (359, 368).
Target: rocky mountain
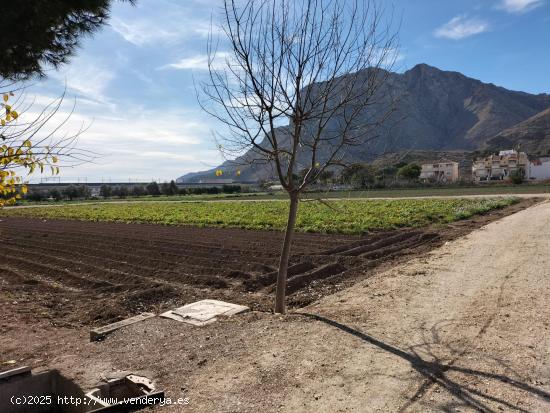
(439, 111)
(531, 135)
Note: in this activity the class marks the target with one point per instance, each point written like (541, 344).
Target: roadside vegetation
(54, 196)
(339, 216)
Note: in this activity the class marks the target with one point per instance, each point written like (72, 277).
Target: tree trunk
(280, 294)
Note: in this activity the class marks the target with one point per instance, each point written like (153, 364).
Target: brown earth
(74, 273)
(70, 275)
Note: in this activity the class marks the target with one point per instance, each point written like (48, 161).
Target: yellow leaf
(3, 122)
(6, 97)
(14, 114)
(54, 159)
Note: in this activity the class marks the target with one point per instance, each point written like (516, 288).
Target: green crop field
(342, 216)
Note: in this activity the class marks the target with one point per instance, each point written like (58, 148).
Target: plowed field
(73, 273)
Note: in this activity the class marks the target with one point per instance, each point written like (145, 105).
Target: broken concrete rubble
(49, 391)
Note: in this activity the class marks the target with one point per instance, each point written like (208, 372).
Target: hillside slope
(532, 135)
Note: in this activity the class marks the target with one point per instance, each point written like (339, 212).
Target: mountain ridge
(437, 111)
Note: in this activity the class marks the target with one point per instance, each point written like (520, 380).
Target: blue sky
(133, 81)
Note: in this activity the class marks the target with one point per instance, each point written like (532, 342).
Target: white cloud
(519, 6)
(133, 141)
(147, 126)
(161, 22)
(461, 27)
(140, 32)
(86, 78)
(200, 62)
(147, 32)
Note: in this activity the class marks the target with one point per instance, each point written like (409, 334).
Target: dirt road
(465, 329)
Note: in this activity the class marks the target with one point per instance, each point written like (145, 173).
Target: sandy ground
(464, 328)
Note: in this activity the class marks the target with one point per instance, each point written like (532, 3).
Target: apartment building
(443, 171)
(500, 167)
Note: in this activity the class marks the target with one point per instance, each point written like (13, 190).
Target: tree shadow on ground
(435, 373)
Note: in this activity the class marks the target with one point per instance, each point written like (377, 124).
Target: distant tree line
(69, 193)
(82, 192)
(166, 189)
(369, 176)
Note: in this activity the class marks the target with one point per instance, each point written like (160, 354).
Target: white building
(539, 168)
(442, 171)
(501, 166)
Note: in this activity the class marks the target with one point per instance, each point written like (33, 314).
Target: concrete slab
(100, 332)
(175, 317)
(204, 312)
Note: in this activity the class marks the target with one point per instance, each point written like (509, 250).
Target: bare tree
(317, 66)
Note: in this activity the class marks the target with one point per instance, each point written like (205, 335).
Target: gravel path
(466, 329)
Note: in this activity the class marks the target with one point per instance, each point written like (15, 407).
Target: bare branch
(319, 64)
(303, 86)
